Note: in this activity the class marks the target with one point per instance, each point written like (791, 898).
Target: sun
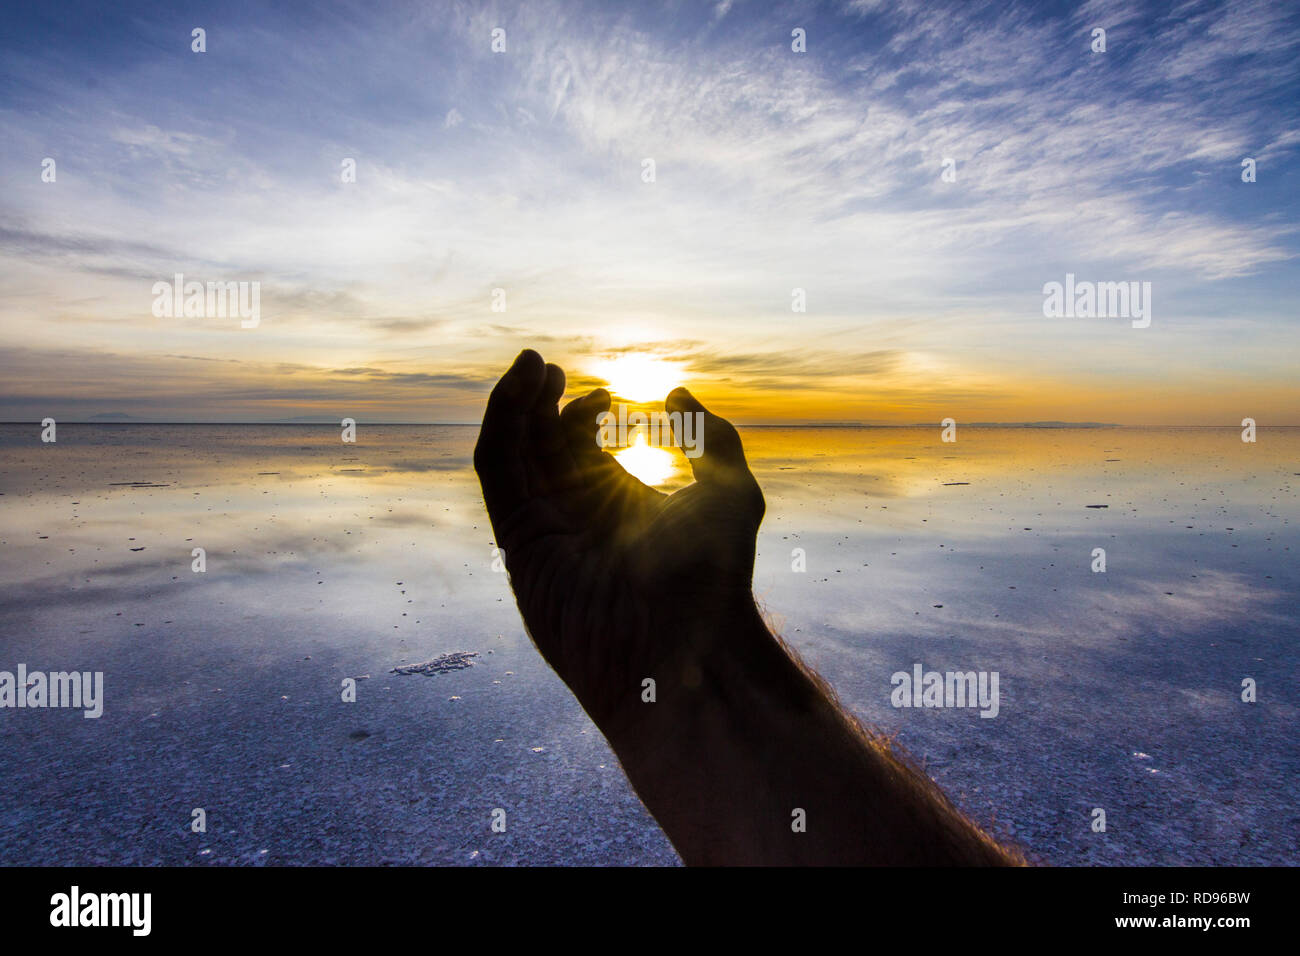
(640, 378)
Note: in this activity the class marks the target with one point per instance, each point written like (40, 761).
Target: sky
(525, 170)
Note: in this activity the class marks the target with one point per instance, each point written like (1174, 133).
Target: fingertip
(680, 399)
(525, 375)
(595, 401)
(721, 454)
(554, 385)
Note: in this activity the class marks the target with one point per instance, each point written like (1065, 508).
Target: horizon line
(330, 424)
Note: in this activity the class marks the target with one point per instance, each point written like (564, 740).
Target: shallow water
(1118, 690)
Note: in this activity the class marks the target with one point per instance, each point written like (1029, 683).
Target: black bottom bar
(921, 907)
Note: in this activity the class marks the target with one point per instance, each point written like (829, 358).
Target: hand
(616, 581)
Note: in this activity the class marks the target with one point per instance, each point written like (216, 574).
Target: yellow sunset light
(640, 378)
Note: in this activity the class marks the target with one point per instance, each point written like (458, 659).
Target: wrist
(719, 657)
(717, 756)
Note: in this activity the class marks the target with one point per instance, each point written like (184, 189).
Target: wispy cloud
(774, 170)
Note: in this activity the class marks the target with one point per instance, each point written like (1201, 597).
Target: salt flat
(326, 561)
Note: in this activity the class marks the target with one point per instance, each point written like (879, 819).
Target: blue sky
(775, 170)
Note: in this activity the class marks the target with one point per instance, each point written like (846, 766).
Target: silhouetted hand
(616, 581)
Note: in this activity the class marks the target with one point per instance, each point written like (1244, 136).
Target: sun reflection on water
(651, 465)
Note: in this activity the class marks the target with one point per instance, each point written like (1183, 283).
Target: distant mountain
(336, 419)
(1022, 425)
(852, 424)
(1047, 424)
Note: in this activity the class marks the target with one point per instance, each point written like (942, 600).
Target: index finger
(497, 455)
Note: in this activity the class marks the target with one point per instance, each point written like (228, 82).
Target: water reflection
(651, 465)
(327, 559)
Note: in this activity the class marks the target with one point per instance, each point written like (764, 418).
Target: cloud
(23, 243)
(775, 170)
(796, 367)
(74, 384)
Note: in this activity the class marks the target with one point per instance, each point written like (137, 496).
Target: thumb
(711, 443)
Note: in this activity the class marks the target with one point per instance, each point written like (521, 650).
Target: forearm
(741, 737)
